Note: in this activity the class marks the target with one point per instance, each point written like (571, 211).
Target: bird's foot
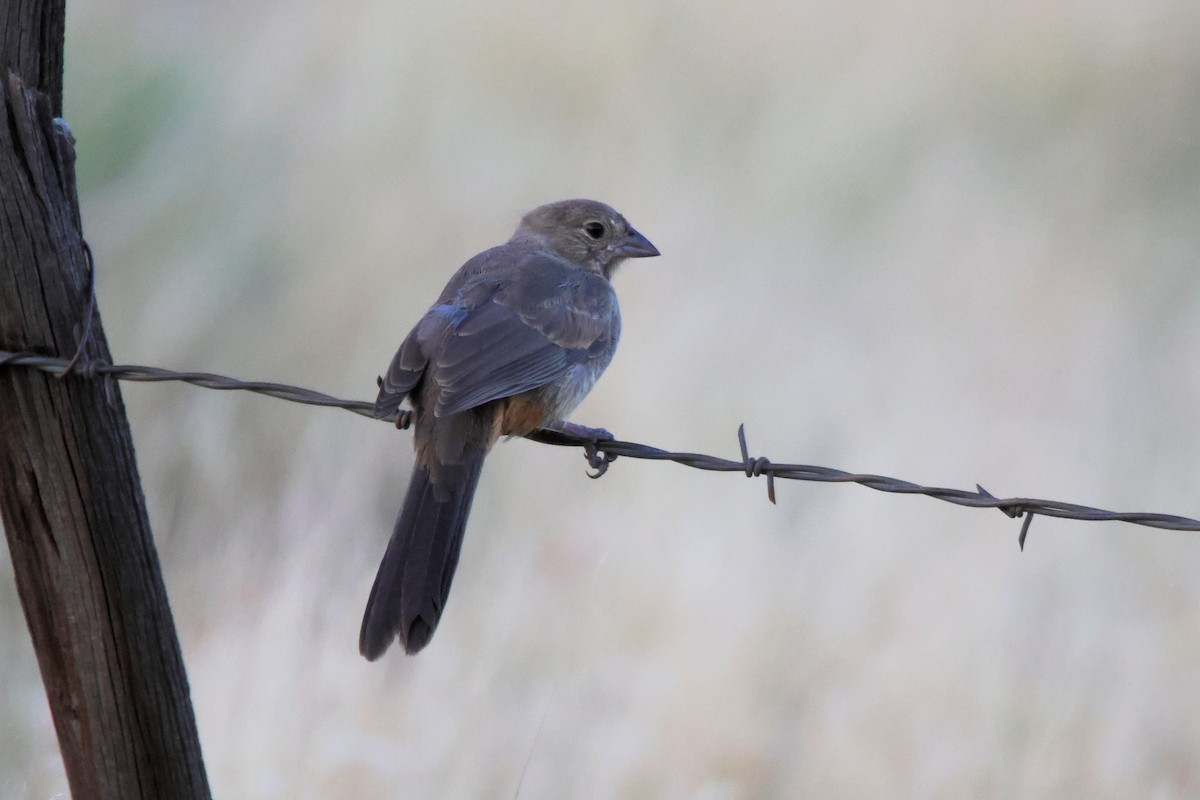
(596, 457)
(582, 431)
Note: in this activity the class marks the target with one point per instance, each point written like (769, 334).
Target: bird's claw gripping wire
(590, 439)
(597, 458)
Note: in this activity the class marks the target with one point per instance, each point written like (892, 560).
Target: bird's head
(591, 235)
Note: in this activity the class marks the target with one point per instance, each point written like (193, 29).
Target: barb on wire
(608, 450)
(1013, 510)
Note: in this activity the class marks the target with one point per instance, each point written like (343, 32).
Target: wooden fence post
(70, 498)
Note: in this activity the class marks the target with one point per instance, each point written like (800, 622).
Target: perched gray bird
(515, 341)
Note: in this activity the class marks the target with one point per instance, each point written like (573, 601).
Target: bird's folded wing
(409, 363)
(497, 336)
(529, 334)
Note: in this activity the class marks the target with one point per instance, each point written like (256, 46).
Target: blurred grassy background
(951, 243)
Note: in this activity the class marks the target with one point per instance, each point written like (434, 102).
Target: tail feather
(414, 577)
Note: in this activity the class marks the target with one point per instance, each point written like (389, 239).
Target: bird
(514, 342)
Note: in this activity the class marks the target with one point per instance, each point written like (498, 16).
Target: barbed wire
(601, 454)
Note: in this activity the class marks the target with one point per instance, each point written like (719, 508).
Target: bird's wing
(546, 317)
(475, 282)
(404, 373)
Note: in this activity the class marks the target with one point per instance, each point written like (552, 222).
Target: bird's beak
(634, 245)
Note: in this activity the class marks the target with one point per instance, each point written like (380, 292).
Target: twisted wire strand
(600, 454)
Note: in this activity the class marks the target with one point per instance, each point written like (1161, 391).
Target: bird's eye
(594, 229)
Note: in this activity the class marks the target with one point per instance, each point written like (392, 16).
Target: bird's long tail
(414, 577)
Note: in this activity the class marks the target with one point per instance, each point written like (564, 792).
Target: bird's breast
(528, 411)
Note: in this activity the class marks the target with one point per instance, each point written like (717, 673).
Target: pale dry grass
(951, 243)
